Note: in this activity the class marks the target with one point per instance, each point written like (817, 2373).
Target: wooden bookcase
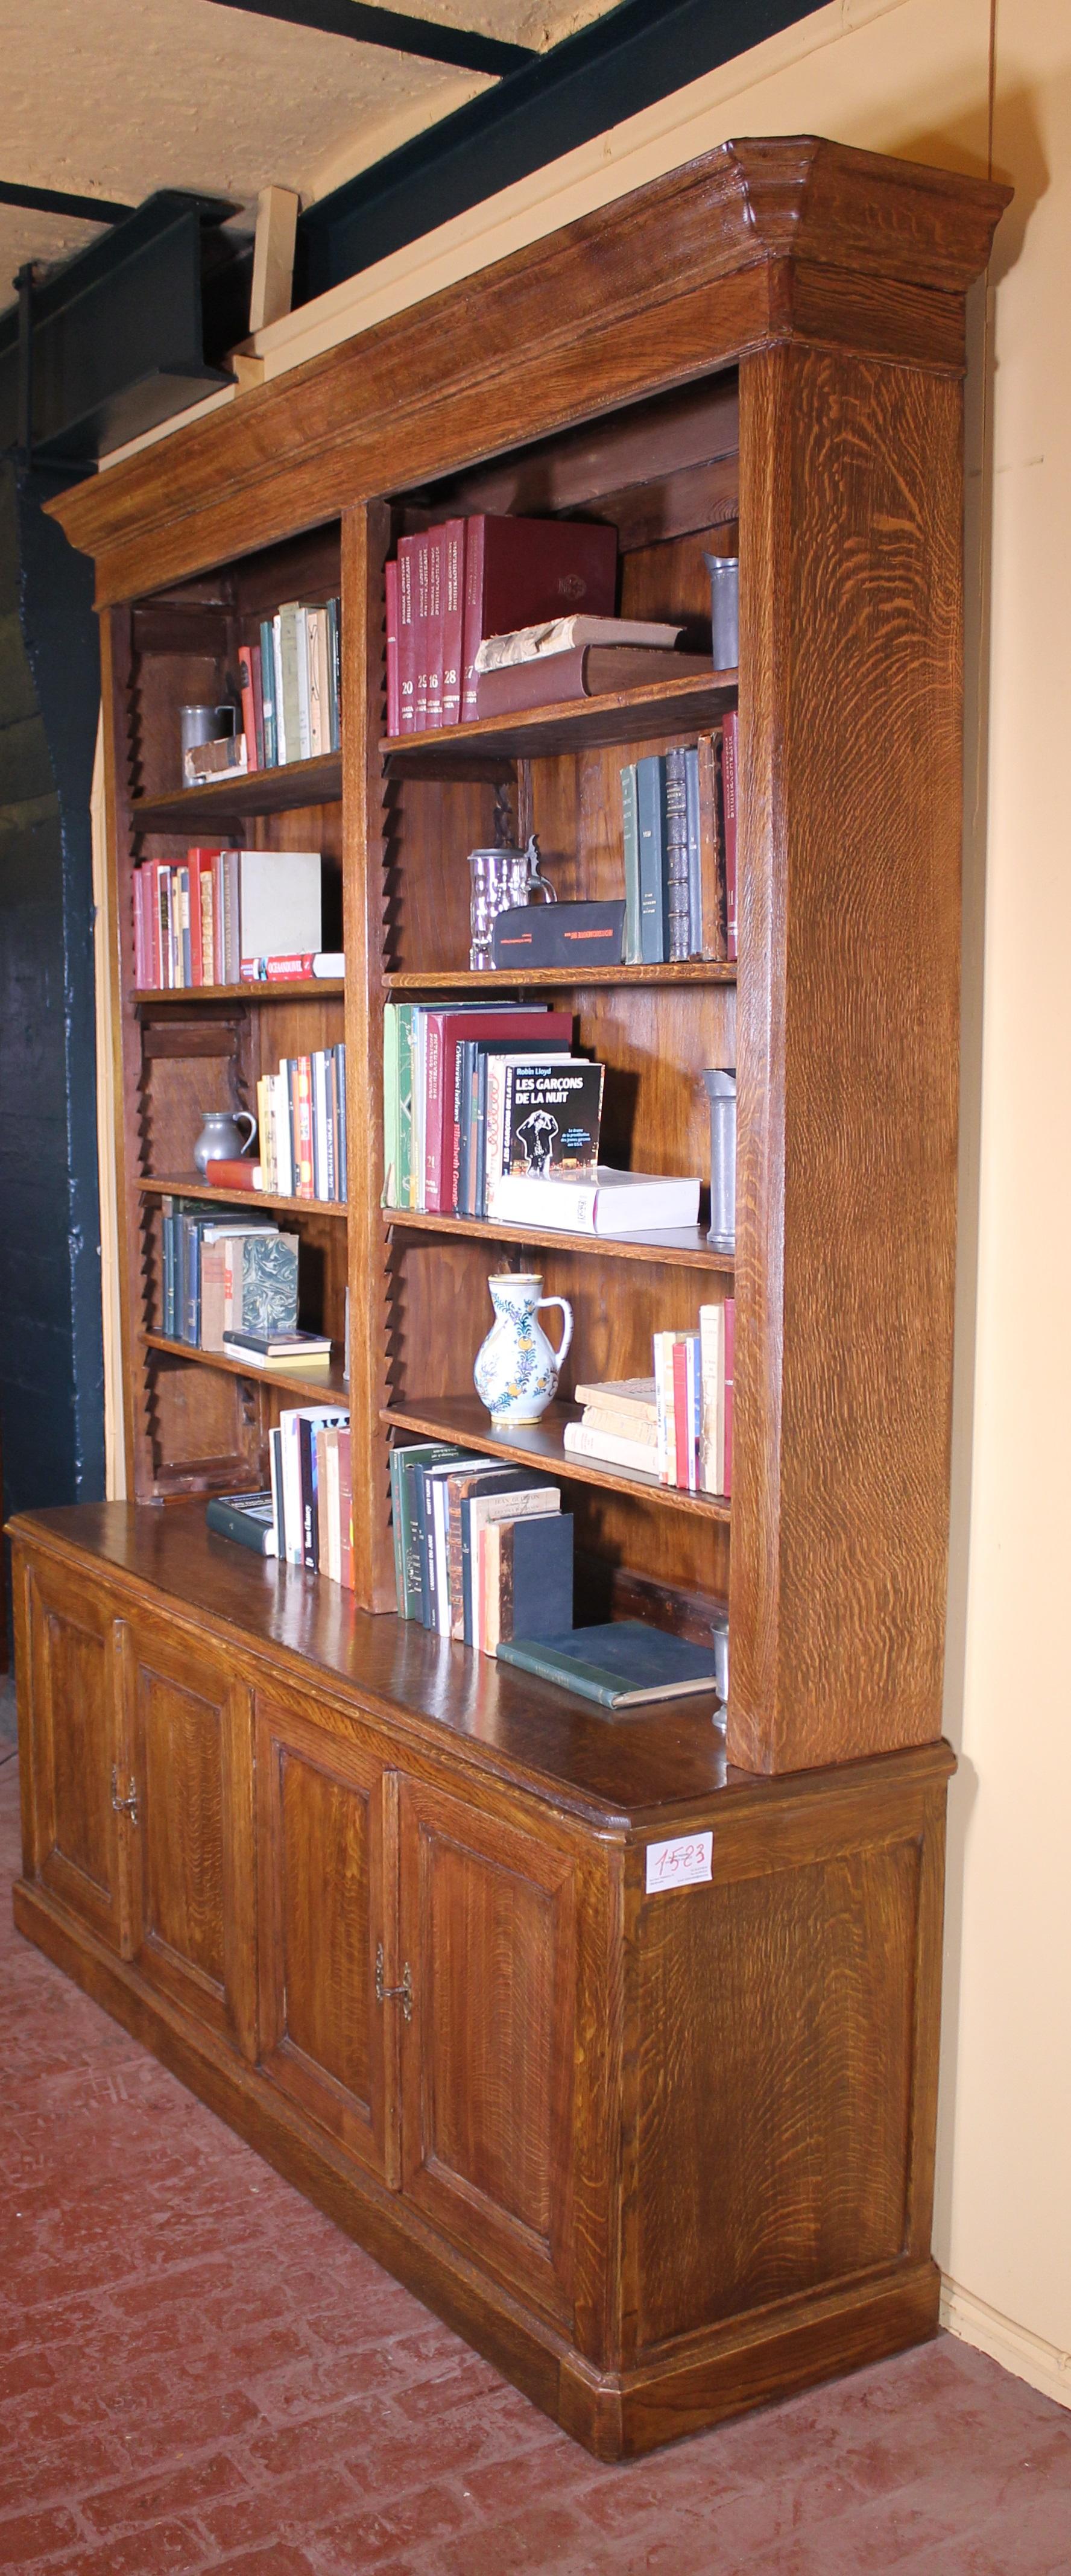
(763, 350)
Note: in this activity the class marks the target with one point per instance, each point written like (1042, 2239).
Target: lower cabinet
(187, 1814)
(76, 1750)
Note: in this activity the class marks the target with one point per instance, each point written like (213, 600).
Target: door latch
(125, 1806)
(402, 1994)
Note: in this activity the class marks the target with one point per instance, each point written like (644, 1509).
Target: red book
(258, 704)
(421, 628)
(406, 637)
(201, 950)
(249, 713)
(453, 617)
(205, 878)
(394, 720)
(728, 777)
(436, 541)
(518, 571)
(233, 1172)
(303, 1166)
(296, 969)
(140, 976)
(150, 896)
(681, 1418)
(730, 1336)
(445, 1031)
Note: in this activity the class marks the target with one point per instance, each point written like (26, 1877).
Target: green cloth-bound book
(622, 1664)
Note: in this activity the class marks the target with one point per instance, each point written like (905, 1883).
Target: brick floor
(198, 2373)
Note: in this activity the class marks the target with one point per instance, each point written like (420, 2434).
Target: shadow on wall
(51, 1367)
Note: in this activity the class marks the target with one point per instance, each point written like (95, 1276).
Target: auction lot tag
(684, 1862)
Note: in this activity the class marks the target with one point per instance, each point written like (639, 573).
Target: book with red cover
(453, 617)
(137, 893)
(406, 637)
(303, 1162)
(258, 703)
(728, 783)
(436, 541)
(711, 848)
(249, 714)
(421, 627)
(730, 1339)
(589, 671)
(445, 1031)
(519, 571)
(393, 709)
(232, 1172)
(681, 1412)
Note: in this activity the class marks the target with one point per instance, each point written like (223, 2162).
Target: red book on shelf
(233, 1172)
(249, 714)
(436, 538)
(140, 977)
(201, 946)
(681, 1415)
(303, 1167)
(394, 722)
(518, 571)
(421, 628)
(406, 637)
(728, 779)
(279, 970)
(258, 703)
(730, 1336)
(150, 875)
(453, 617)
(445, 1031)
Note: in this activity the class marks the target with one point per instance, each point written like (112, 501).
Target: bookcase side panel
(365, 537)
(851, 579)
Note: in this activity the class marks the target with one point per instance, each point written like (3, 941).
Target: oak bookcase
(660, 2153)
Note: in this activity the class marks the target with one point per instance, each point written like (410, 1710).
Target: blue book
(623, 1664)
(651, 811)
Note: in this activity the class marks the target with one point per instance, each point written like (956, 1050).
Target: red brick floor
(197, 2372)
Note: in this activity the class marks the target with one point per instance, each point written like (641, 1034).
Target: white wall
(949, 82)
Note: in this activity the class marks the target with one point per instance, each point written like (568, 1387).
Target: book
(265, 1290)
(534, 1575)
(421, 627)
(406, 638)
(249, 712)
(434, 641)
(630, 855)
(277, 1348)
(728, 779)
(559, 934)
(624, 1664)
(678, 927)
(551, 1116)
(651, 811)
(453, 618)
(710, 925)
(591, 671)
(235, 1172)
(624, 1394)
(508, 1493)
(280, 904)
(712, 1372)
(621, 1423)
(204, 761)
(520, 571)
(267, 686)
(249, 1518)
(393, 699)
(609, 1203)
(557, 636)
(289, 691)
(404, 1464)
(301, 966)
(442, 1032)
(584, 1440)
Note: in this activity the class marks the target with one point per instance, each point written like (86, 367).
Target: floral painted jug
(516, 1370)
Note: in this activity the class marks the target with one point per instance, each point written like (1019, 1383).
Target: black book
(249, 1518)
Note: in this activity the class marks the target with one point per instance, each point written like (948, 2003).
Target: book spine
(730, 1339)
(296, 969)
(334, 671)
(406, 638)
(435, 546)
(282, 1134)
(307, 1476)
(711, 849)
(453, 596)
(305, 1184)
(316, 681)
(290, 689)
(398, 1533)
(630, 849)
(390, 576)
(391, 1156)
(275, 1467)
(624, 1423)
(138, 898)
(681, 1415)
(729, 780)
(695, 879)
(586, 1441)
(301, 666)
(186, 977)
(249, 712)
(229, 1522)
(256, 658)
(676, 859)
(167, 1263)
(345, 1510)
(472, 631)
(650, 800)
(342, 1186)
(267, 693)
(433, 1114)
(284, 751)
(712, 1407)
(421, 629)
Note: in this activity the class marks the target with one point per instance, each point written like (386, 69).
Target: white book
(301, 624)
(568, 635)
(586, 1442)
(712, 1371)
(281, 910)
(612, 1204)
(281, 1132)
(283, 751)
(497, 1101)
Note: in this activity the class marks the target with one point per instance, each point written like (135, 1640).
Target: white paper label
(684, 1862)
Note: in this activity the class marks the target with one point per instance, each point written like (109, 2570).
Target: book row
(301, 1124)
(224, 1274)
(291, 686)
(222, 916)
(482, 1552)
(678, 822)
(677, 1424)
(312, 1490)
(461, 580)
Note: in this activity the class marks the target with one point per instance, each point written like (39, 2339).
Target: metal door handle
(402, 1994)
(125, 1806)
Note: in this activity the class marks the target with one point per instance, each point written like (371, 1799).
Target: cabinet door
(75, 1745)
(189, 1728)
(488, 1934)
(325, 1809)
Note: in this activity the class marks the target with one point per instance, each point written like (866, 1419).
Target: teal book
(267, 691)
(651, 810)
(405, 1104)
(269, 1284)
(623, 1664)
(391, 1188)
(630, 842)
(405, 1500)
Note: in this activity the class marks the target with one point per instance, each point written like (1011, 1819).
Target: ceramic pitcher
(516, 1370)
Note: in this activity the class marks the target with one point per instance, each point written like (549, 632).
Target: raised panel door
(190, 1736)
(325, 1808)
(488, 1939)
(76, 1746)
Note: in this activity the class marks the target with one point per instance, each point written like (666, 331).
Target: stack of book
(570, 658)
(301, 1117)
(224, 1274)
(482, 1552)
(679, 843)
(312, 1490)
(225, 916)
(291, 684)
(465, 579)
(676, 1425)
(471, 1093)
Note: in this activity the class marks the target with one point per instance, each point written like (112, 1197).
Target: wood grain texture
(847, 1054)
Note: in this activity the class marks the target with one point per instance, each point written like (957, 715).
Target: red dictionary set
(466, 579)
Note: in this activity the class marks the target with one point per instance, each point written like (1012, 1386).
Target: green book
(405, 1197)
(631, 846)
(288, 665)
(392, 1195)
(621, 1664)
(407, 1566)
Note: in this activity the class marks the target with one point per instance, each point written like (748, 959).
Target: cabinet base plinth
(746, 2363)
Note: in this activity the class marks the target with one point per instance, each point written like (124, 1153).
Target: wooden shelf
(686, 1245)
(329, 1381)
(474, 750)
(258, 791)
(462, 1419)
(195, 1189)
(303, 988)
(695, 970)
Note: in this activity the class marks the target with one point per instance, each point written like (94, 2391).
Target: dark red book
(728, 787)
(436, 545)
(394, 724)
(445, 1031)
(453, 617)
(518, 571)
(231, 1172)
(421, 628)
(406, 637)
(249, 719)
(588, 671)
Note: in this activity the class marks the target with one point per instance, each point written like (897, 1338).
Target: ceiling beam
(54, 201)
(460, 46)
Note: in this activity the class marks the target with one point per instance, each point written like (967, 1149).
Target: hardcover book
(550, 1121)
(520, 571)
(624, 1664)
(266, 1299)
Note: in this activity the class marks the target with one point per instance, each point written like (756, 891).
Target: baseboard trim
(1026, 2355)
